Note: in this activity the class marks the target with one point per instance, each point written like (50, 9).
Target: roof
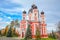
(24, 12)
(42, 12)
(34, 6)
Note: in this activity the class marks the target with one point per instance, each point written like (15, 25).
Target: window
(23, 17)
(35, 14)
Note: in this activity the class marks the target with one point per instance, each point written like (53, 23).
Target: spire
(34, 6)
(30, 10)
(42, 12)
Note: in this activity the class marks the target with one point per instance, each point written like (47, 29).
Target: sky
(12, 9)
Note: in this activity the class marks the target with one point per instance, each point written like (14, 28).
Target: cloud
(7, 22)
(0, 19)
(3, 24)
(1, 27)
(9, 5)
(12, 9)
(51, 26)
(9, 17)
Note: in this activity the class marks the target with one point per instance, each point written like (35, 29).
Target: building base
(42, 36)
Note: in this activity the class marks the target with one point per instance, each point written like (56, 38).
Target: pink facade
(35, 19)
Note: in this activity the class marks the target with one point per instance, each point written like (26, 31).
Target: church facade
(35, 19)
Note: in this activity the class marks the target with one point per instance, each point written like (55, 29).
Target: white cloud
(3, 24)
(9, 17)
(8, 22)
(0, 19)
(2, 27)
(12, 11)
(49, 6)
(51, 26)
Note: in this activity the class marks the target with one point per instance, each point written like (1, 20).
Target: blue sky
(12, 9)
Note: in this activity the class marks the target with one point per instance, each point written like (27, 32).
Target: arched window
(24, 18)
(35, 14)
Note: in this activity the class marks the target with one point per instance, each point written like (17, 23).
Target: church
(35, 19)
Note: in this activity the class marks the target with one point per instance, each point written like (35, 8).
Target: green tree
(0, 32)
(58, 30)
(12, 23)
(28, 33)
(14, 33)
(53, 35)
(9, 34)
(37, 34)
(6, 30)
(12, 30)
(16, 23)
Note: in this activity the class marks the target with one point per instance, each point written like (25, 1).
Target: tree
(14, 33)
(12, 23)
(58, 30)
(37, 34)
(0, 32)
(12, 29)
(28, 33)
(16, 23)
(58, 27)
(9, 34)
(53, 35)
(6, 30)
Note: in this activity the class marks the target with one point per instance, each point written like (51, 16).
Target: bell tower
(35, 12)
(23, 24)
(24, 15)
(43, 26)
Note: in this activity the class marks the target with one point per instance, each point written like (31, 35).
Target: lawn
(45, 39)
(48, 39)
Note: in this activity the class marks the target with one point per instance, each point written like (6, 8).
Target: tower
(30, 14)
(35, 12)
(24, 15)
(33, 16)
(23, 24)
(43, 26)
(34, 19)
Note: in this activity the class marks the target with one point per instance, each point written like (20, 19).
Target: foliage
(9, 34)
(6, 30)
(28, 34)
(14, 33)
(58, 30)
(12, 30)
(17, 23)
(12, 24)
(37, 34)
(48, 39)
(0, 32)
(44, 39)
(52, 35)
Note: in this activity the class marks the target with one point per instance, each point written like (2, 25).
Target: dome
(30, 10)
(34, 6)
(24, 11)
(42, 12)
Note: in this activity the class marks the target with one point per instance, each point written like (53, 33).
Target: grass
(46, 39)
